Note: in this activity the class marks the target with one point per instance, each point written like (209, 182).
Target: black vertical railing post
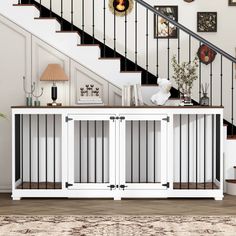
(82, 21)
(146, 151)
(147, 27)
(180, 151)
(196, 151)
(87, 151)
(204, 148)
(93, 21)
(136, 36)
(200, 77)
(232, 102)
(104, 28)
(178, 47)
(40, 8)
(188, 150)
(221, 80)
(131, 166)
(139, 151)
(125, 40)
(168, 51)
(50, 8)
(38, 148)
(95, 151)
(61, 15)
(72, 15)
(30, 153)
(211, 86)
(54, 151)
(80, 151)
(154, 151)
(212, 150)
(22, 150)
(157, 53)
(46, 150)
(114, 34)
(189, 49)
(102, 151)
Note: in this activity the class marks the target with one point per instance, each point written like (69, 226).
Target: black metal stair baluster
(221, 80)
(93, 21)
(72, 15)
(80, 151)
(189, 49)
(168, 51)
(146, 151)
(212, 150)
(157, 53)
(204, 148)
(147, 51)
(40, 8)
(131, 167)
(103, 152)
(50, 8)
(211, 86)
(139, 151)
(22, 151)
(125, 40)
(87, 151)
(46, 150)
(82, 21)
(178, 56)
(114, 32)
(95, 151)
(104, 28)
(61, 15)
(136, 36)
(232, 102)
(200, 76)
(154, 151)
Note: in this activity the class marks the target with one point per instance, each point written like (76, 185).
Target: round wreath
(206, 55)
(121, 7)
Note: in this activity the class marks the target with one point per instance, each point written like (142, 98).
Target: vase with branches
(185, 74)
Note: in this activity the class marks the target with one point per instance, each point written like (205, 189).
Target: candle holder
(37, 102)
(29, 101)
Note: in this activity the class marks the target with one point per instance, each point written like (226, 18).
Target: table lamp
(54, 72)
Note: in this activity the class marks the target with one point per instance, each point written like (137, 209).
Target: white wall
(223, 38)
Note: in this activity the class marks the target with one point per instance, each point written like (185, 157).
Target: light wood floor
(111, 207)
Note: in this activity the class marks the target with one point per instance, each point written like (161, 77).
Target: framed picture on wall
(207, 22)
(232, 2)
(162, 28)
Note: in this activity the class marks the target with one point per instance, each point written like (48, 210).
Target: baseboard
(5, 189)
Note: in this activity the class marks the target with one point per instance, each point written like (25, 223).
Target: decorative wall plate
(206, 55)
(121, 7)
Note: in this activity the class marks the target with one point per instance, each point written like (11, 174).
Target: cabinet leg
(218, 198)
(117, 198)
(16, 198)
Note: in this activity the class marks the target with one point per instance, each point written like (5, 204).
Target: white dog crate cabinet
(117, 152)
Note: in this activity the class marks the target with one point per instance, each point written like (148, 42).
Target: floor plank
(111, 207)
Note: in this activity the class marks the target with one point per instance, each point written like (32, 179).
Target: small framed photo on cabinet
(207, 22)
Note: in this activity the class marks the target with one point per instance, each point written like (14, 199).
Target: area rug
(117, 225)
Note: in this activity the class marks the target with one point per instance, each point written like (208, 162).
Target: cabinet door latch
(68, 119)
(111, 186)
(122, 118)
(112, 118)
(68, 185)
(167, 119)
(166, 185)
(122, 186)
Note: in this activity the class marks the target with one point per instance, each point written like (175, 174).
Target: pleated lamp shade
(54, 72)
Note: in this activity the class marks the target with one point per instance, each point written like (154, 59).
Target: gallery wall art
(207, 22)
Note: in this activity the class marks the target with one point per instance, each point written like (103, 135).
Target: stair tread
(46, 18)
(25, 5)
(232, 181)
(88, 45)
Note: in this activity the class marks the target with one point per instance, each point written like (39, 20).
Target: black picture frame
(161, 25)
(232, 2)
(206, 22)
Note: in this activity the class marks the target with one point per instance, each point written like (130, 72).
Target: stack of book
(90, 100)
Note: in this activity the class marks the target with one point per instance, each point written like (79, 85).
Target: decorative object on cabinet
(163, 93)
(204, 101)
(207, 22)
(28, 94)
(121, 7)
(206, 55)
(132, 95)
(2, 115)
(232, 2)
(37, 102)
(184, 75)
(54, 72)
(89, 95)
(188, 1)
(162, 28)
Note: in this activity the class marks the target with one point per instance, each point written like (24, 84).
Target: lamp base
(54, 104)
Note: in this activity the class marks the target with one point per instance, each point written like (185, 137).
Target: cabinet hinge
(68, 119)
(166, 185)
(68, 185)
(167, 119)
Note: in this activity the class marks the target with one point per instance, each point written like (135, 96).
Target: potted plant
(185, 74)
